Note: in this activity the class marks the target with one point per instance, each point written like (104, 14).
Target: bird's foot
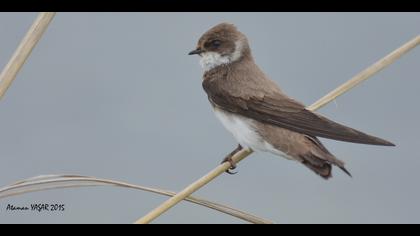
(232, 164)
(229, 159)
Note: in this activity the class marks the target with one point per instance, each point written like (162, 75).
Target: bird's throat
(210, 60)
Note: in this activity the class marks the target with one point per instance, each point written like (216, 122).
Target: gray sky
(114, 95)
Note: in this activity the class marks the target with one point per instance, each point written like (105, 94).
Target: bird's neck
(212, 62)
(228, 70)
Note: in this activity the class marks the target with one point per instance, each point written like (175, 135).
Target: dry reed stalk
(367, 73)
(24, 49)
(49, 182)
(362, 76)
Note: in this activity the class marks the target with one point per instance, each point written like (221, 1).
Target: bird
(259, 115)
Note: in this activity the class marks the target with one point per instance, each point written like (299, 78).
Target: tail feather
(324, 170)
(320, 160)
(345, 171)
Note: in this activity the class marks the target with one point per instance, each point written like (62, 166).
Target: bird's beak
(196, 51)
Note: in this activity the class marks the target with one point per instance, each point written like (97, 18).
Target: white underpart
(243, 129)
(210, 60)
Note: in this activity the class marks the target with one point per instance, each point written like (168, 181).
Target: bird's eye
(216, 43)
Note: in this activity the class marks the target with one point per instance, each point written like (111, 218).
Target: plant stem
(24, 49)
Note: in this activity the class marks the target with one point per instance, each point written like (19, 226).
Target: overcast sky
(114, 95)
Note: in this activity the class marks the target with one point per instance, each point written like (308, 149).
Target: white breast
(241, 128)
(244, 131)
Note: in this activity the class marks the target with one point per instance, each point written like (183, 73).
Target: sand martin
(256, 111)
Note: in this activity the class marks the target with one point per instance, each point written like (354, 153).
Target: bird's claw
(232, 165)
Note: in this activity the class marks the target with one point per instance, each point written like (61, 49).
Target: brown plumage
(239, 90)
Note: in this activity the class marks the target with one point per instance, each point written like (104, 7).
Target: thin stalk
(24, 49)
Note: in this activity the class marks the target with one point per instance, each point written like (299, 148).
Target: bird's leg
(228, 158)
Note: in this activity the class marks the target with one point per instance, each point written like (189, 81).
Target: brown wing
(279, 110)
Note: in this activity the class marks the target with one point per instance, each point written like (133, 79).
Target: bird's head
(222, 44)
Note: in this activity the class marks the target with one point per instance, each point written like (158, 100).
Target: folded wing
(277, 109)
